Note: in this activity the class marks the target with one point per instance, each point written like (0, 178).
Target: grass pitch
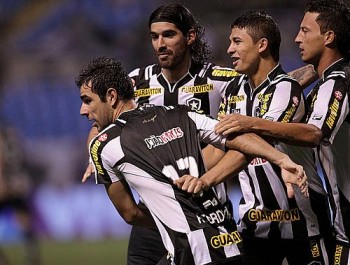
(107, 252)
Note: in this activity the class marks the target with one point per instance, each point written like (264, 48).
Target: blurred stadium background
(43, 45)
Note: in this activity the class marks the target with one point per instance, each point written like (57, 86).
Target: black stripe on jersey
(345, 210)
(270, 201)
(183, 254)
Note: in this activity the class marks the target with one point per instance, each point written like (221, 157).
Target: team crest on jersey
(338, 95)
(103, 137)
(194, 103)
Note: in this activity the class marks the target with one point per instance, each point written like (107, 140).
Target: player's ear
(191, 36)
(263, 43)
(112, 96)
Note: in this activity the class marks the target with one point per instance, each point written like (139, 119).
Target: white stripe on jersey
(279, 100)
(206, 130)
(193, 239)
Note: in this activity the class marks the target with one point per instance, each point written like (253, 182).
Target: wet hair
(333, 15)
(105, 73)
(260, 25)
(183, 19)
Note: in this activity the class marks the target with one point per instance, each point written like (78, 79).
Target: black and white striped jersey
(150, 147)
(265, 210)
(201, 88)
(329, 111)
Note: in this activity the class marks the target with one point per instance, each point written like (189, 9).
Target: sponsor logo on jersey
(225, 239)
(337, 255)
(157, 140)
(258, 161)
(275, 215)
(224, 73)
(198, 89)
(147, 92)
(95, 158)
(235, 99)
(209, 203)
(315, 250)
(333, 113)
(264, 99)
(194, 103)
(214, 217)
(103, 137)
(338, 95)
(288, 114)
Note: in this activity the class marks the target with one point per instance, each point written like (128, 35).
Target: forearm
(211, 156)
(253, 145)
(230, 164)
(122, 199)
(292, 133)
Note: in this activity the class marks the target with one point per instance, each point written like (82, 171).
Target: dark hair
(261, 25)
(105, 73)
(183, 19)
(333, 15)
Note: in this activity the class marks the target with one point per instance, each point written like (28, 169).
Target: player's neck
(326, 60)
(123, 106)
(259, 76)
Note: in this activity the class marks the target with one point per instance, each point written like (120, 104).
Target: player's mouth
(234, 61)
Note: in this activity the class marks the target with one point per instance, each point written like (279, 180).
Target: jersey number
(183, 163)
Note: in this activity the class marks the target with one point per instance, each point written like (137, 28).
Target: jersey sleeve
(205, 127)
(329, 107)
(105, 151)
(286, 104)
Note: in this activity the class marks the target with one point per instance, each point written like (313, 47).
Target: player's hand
(190, 184)
(233, 123)
(88, 172)
(294, 174)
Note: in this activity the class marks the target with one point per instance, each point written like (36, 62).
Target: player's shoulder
(145, 72)
(104, 137)
(220, 72)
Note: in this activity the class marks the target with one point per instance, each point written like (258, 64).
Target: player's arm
(89, 169)
(305, 75)
(253, 146)
(121, 196)
(292, 133)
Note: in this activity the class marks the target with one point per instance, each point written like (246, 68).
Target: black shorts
(145, 246)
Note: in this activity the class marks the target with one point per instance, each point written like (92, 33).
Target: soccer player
(264, 90)
(149, 148)
(324, 41)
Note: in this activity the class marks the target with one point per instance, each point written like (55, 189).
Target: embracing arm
(291, 133)
(304, 75)
(234, 161)
(120, 194)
